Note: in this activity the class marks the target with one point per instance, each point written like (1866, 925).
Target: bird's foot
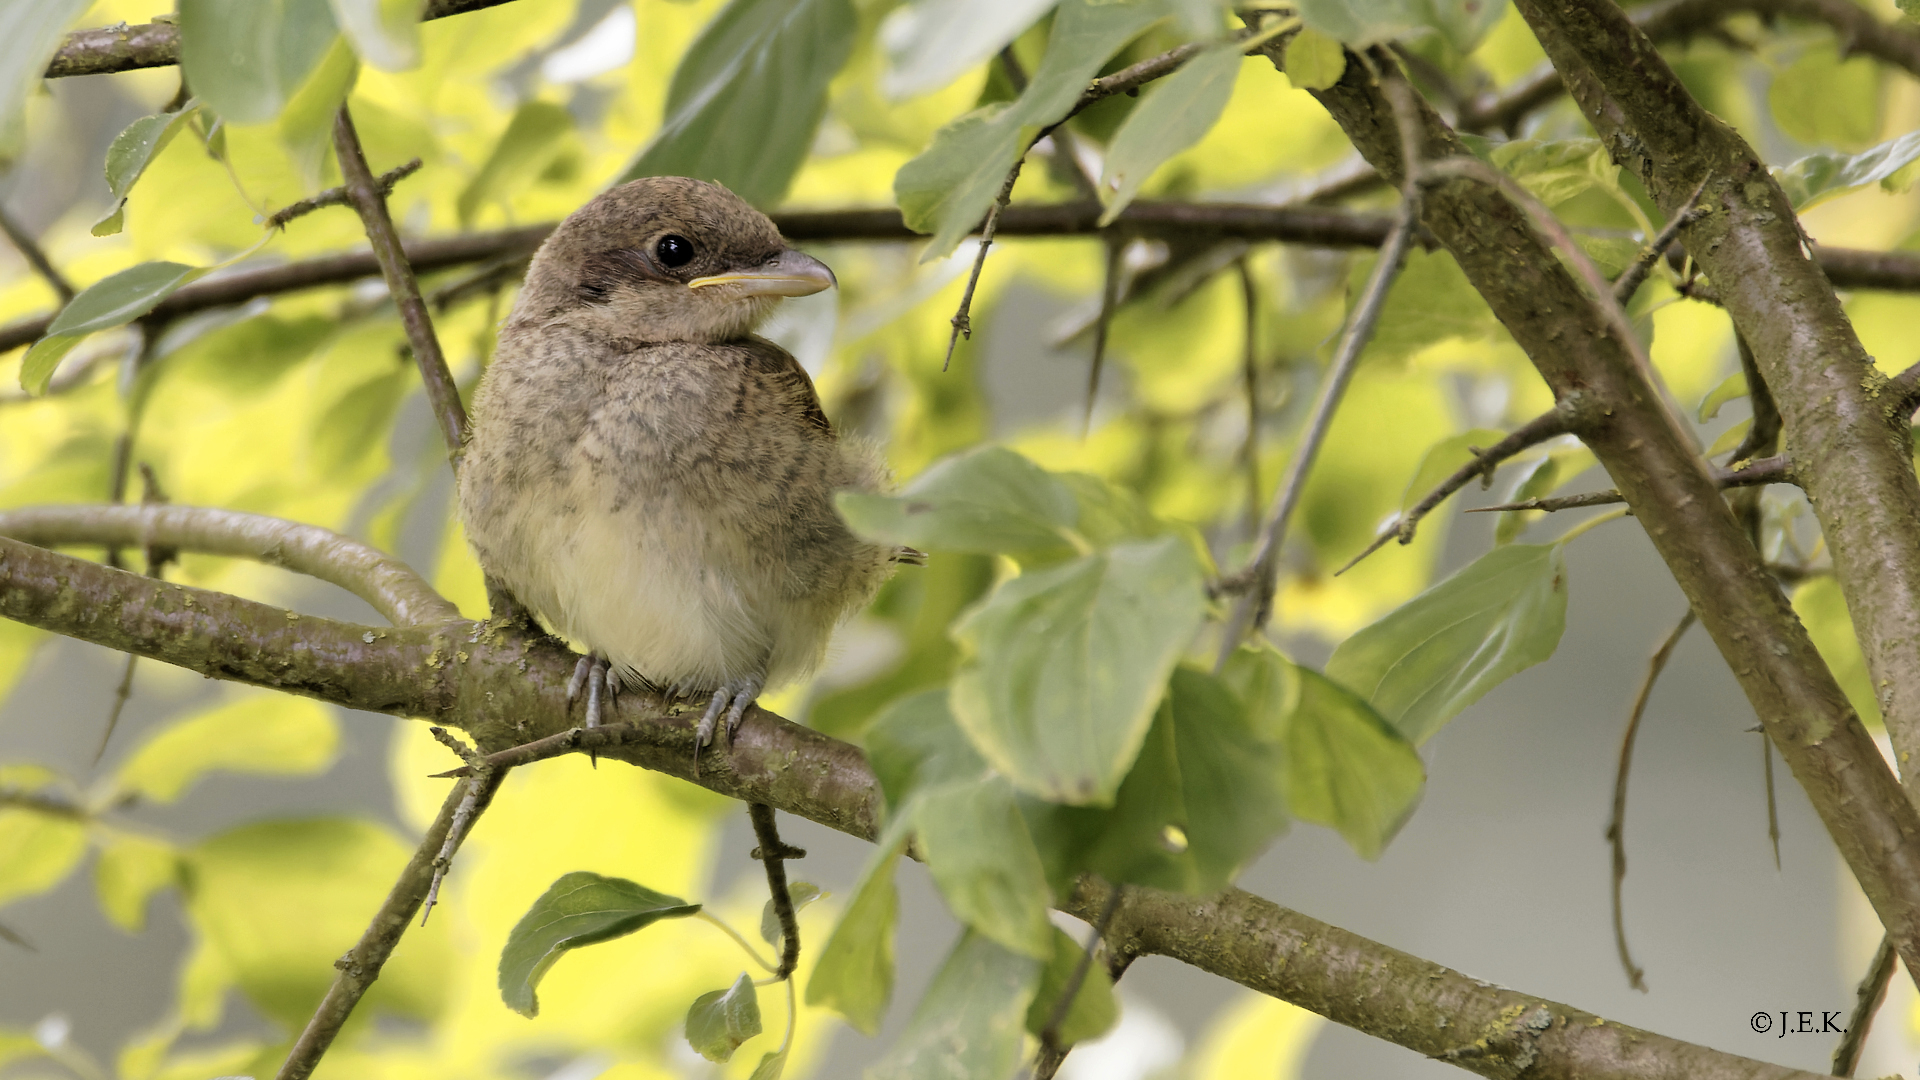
(731, 700)
(592, 674)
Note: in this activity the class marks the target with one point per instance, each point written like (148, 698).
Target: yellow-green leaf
(578, 909)
(127, 874)
(386, 33)
(263, 732)
(1173, 116)
(37, 851)
(1315, 61)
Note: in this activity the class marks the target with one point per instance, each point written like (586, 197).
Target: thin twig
(337, 196)
(1769, 470)
(478, 787)
(157, 557)
(1051, 1053)
(1904, 389)
(1250, 377)
(962, 323)
(773, 853)
(1102, 328)
(1631, 278)
(361, 965)
(1764, 435)
(1773, 805)
(11, 937)
(30, 250)
(1262, 574)
(1866, 1001)
(363, 192)
(1551, 424)
(1616, 835)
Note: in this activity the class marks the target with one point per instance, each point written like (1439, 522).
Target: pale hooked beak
(790, 273)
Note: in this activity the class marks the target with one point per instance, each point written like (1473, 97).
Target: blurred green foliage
(1031, 700)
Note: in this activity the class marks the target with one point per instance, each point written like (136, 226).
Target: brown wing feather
(785, 370)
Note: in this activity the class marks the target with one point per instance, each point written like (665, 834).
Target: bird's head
(666, 258)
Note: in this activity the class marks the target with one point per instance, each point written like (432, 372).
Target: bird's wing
(787, 374)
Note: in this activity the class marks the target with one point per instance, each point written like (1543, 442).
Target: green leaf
(1818, 177)
(1732, 387)
(1443, 459)
(1441, 651)
(385, 33)
(989, 500)
(1348, 767)
(983, 861)
(1823, 609)
(127, 874)
(770, 1067)
(133, 149)
(1430, 301)
(37, 851)
(306, 123)
(854, 974)
(947, 189)
(1094, 1009)
(270, 734)
(1556, 171)
(930, 43)
(1730, 438)
(527, 146)
(247, 58)
(720, 1020)
(1173, 116)
(578, 909)
(972, 1020)
(1369, 22)
(1537, 481)
(1822, 100)
(113, 301)
(916, 743)
(279, 901)
(1065, 665)
(1314, 60)
(748, 94)
(1206, 796)
(30, 33)
(801, 893)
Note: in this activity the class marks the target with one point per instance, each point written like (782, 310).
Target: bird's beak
(790, 273)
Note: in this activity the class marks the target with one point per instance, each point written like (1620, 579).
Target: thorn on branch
(1616, 837)
(338, 196)
(1770, 470)
(479, 785)
(1551, 424)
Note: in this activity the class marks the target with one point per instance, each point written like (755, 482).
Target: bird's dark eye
(674, 251)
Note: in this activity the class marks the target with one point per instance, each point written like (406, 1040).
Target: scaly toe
(596, 687)
(709, 724)
(579, 679)
(739, 710)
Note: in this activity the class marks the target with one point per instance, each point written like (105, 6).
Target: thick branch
(1670, 491)
(1857, 465)
(500, 685)
(369, 200)
(383, 581)
(107, 49)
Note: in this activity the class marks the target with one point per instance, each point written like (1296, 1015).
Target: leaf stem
(1592, 522)
(744, 944)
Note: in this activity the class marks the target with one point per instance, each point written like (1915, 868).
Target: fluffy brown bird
(650, 478)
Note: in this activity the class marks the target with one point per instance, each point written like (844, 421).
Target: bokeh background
(308, 412)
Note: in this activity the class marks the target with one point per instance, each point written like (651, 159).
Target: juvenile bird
(650, 478)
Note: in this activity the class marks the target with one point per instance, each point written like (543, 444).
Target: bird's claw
(591, 672)
(732, 700)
